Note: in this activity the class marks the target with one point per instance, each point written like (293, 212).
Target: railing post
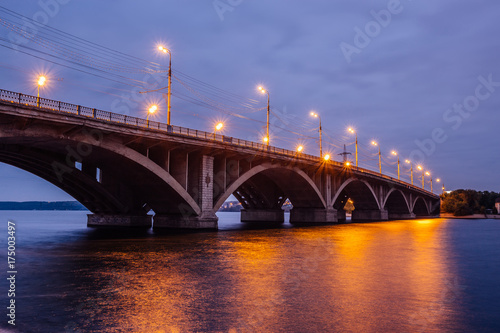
(78, 109)
(20, 98)
(93, 113)
(59, 105)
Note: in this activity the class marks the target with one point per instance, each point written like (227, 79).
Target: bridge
(121, 167)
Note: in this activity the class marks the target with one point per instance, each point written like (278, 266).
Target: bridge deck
(48, 105)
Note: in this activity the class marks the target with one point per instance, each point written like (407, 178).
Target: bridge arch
(163, 193)
(420, 207)
(396, 202)
(286, 179)
(360, 191)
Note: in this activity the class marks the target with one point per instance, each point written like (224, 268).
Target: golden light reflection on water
(391, 276)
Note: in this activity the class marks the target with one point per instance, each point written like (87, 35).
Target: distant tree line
(468, 202)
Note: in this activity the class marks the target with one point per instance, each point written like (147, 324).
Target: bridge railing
(79, 110)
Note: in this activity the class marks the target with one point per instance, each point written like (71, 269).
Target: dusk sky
(420, 77)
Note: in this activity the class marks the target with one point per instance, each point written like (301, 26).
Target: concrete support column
(204, 188)
(401, 216)
(370, 215)
(109, 220)
(178, 221)
(313, 215)
(263, 215)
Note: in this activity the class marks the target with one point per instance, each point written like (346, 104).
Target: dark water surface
(402, 276)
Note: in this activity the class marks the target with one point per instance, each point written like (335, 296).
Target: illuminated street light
(395, 153)
(347, 163)
(169, 94)
(411, 170)
(315, 115)
(300, 148)
(264, 91)
(429, 174)
(379, 156)
(326, 157)
(41, 81)
(419, 167)
(151, 110)
(350, 129)
(218, 127)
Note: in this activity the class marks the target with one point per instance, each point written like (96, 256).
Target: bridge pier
(401, 216)
(370, 215)
(313, 215)
(107, 220)
(204, 221)
(263, 215)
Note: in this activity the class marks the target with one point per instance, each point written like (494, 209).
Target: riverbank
(471, 217)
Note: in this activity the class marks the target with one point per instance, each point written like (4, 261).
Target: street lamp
(350, 129)
(429, 174)
(218, 127)
(264, 91)
(438, 180)
(419, 167)
(169, 94)
(395, 153)
(326, 157)
(315, 115)
(379, 156)
(300, 148)
(411, 170)
(152, 109)
(41, 81)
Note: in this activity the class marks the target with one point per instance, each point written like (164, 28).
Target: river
(435, 275)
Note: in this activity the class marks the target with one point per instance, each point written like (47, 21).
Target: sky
(419, 77)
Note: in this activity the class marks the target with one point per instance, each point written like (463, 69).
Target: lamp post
(438, 180)
(169, 94)
(411, 170)
(41, 82)
(264, 91)
(152, 109)
(395, 153)
(419, 167)
(218, 127)
(429, 174)
(379, 156)
(315, 115)
(350, 129)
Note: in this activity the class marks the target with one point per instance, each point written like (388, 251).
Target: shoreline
(471, 217)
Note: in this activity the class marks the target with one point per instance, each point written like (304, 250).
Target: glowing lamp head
(408, 161)
(427, 173)
(374, 143)
(300, 148)
(350, 129)
(153, 109)
(262, 90)
(419, 167)
(438, 180)
(163, 49)
(41, 80)
(265, 139)
(394, 153)
(219, 126)
(314, 114)
(326, 157)
(347, 164)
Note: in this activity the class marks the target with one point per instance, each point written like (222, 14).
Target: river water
(437, 275)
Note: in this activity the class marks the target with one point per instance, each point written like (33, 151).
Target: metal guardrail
(43, 103)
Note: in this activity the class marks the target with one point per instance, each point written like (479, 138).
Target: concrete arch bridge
(121, 167)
